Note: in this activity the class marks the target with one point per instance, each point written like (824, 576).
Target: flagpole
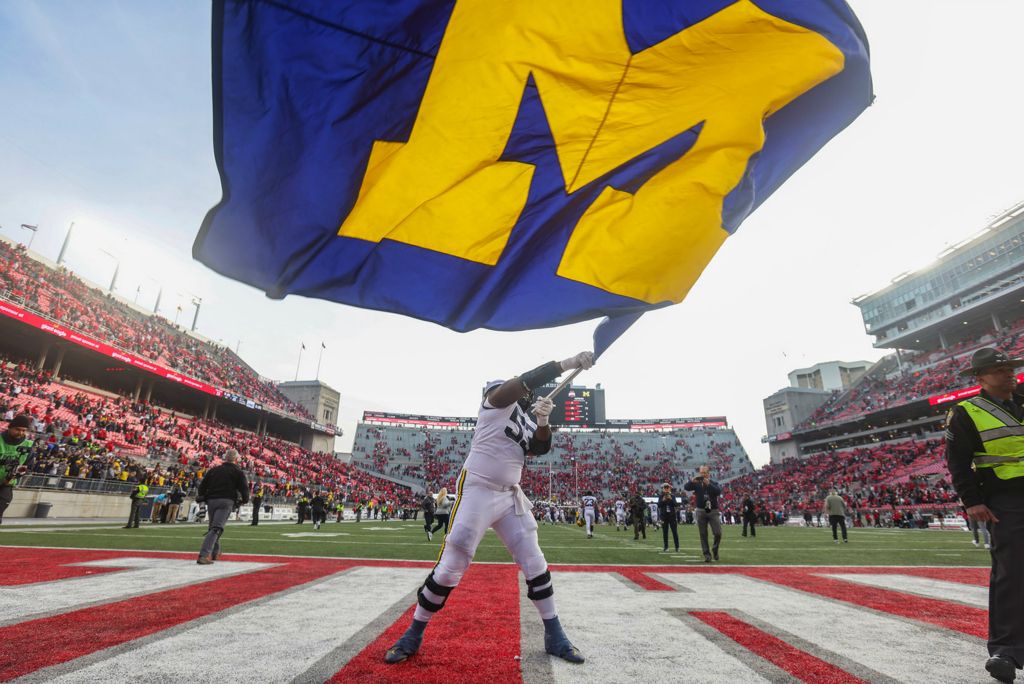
(303, 346)
(321, 358)
(561, 385)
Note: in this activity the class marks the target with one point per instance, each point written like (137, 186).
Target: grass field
(561, 544)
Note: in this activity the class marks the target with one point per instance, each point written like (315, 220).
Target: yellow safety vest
(1002, 437)
(141, 492)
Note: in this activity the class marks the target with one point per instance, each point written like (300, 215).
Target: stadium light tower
(197, 302)
(64, 247)
(117, 269)
(34, 229)
(159, 294)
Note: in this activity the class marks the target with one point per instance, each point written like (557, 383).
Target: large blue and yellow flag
(512, 164)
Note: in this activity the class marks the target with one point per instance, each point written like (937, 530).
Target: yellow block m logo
(445, 190)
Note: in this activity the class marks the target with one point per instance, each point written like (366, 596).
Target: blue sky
(106, 121)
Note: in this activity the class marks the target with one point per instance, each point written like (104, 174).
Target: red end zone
(58, 611)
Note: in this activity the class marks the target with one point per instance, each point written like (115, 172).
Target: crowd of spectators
(60, 295)
(915, 377)
(609, 463)
(890, 475)
(91, 435)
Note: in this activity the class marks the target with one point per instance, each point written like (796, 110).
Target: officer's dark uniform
(668, 511)
(983, 471)
(749, 517)
(319, 505)
(138, 497)
(257, 502)
(303, 509)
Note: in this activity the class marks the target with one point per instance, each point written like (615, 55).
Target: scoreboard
(576, 406)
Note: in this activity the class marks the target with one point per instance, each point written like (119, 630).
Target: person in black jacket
(749, 516)
(668, 511)
(319, 506)
(984, 448)
(221, 489)
(707, 492)
(429, 506)
(174, 500)
(638, 507)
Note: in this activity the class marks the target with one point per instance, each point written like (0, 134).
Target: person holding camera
(223, 486)
(15, 458)
(707, 492)
(668, 511)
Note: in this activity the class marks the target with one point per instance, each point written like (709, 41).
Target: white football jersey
(499, 446)
(589, 502)
(620, 506)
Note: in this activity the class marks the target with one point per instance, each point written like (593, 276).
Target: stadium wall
(69, 504)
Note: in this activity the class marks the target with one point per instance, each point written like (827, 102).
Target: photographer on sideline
(15, 458)
(707, 492)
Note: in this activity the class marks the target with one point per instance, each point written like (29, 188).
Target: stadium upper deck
(972, 297)
(972, 287)
(66, 307)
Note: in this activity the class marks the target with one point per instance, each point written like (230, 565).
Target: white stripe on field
(892, 646)
(273, 641)
(626, 636)
(141, 576)
(945, 591)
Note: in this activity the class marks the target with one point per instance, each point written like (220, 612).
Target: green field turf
(561, 544)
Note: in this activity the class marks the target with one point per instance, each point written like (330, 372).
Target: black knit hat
(989, 357)
(21, 420)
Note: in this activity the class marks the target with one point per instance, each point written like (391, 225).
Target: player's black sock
(417, 627)
(553, 626)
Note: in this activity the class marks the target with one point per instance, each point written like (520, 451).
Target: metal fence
(83, 485)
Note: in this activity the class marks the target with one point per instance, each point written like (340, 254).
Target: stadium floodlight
(117, 269)
(197, 301)
(64, 247)
(34, 229)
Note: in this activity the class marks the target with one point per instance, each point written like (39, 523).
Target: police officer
(303, 508)
(749, 516)
(257, 502)
(668, 511)
(707, 492)
(986, 432)
(223, 488)
(15, 458)
(138, 497)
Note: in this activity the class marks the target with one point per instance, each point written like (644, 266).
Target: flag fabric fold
(512, 165)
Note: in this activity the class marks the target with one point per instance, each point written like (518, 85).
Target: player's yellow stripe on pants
(451, 517)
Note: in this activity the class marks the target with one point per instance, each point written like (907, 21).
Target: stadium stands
(889, 384)
(93, 435)
(61, 296)
(610, 462)
(899, 473)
